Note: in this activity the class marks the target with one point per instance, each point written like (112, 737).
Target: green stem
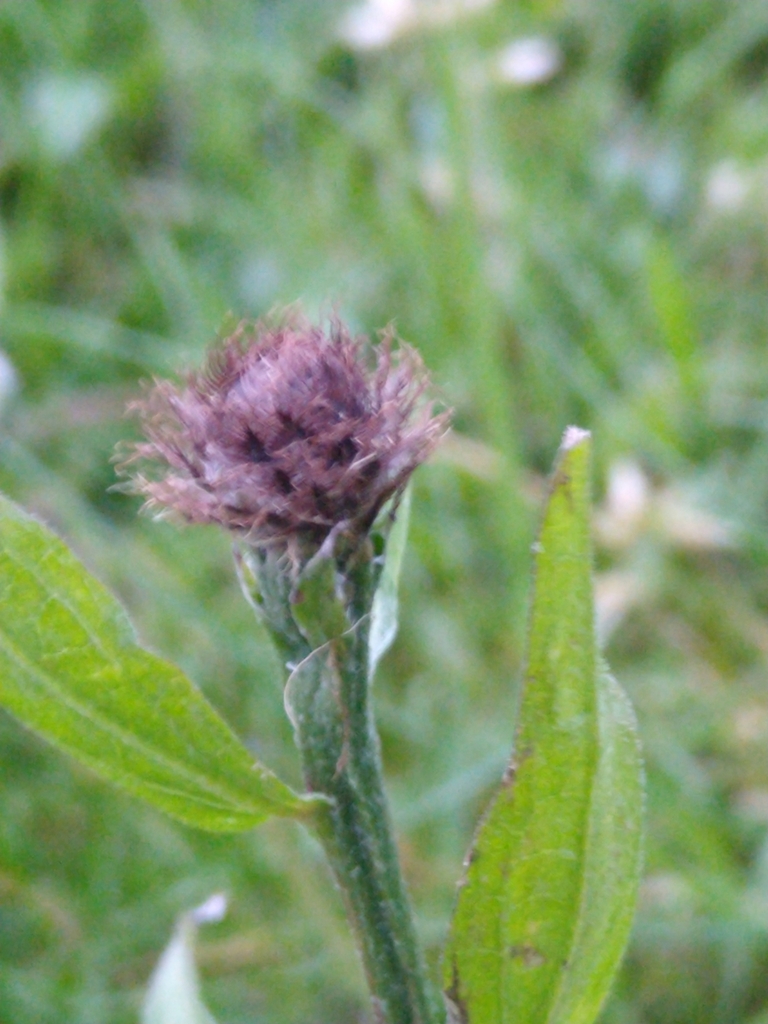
(340, 755)
(328, 698)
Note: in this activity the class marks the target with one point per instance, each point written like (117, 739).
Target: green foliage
(71, 669)
(590, 249)
(544, 911)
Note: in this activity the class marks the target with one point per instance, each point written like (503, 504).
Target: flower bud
(288, 434)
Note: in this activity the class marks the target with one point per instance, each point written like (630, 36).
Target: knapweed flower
(287, 433)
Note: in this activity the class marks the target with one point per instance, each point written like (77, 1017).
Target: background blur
(564, 205)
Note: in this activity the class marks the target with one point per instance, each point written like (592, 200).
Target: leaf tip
(573, 437)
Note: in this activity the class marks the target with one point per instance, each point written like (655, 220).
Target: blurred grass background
(565, 207)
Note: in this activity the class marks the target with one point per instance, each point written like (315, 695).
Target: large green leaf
(546, 905)
(70, 669)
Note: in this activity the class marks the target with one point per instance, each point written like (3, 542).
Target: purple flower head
(287, 433)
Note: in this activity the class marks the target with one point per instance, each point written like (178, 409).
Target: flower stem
(341, 759)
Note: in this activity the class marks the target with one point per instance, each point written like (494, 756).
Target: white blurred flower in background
(638, 523)
(728, 187)
(529, 61)
(66, 110)
(377, 23)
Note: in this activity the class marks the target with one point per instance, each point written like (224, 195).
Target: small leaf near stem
(547, 901)
(385, 602)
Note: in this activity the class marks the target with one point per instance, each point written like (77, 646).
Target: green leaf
(70, 669)
(385, 603)
(546, 905)
(173, 995)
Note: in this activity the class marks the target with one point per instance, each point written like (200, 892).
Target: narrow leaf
(385, 603)
(545, 908)
(612, 861)
(173, 995)
(70, 669)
